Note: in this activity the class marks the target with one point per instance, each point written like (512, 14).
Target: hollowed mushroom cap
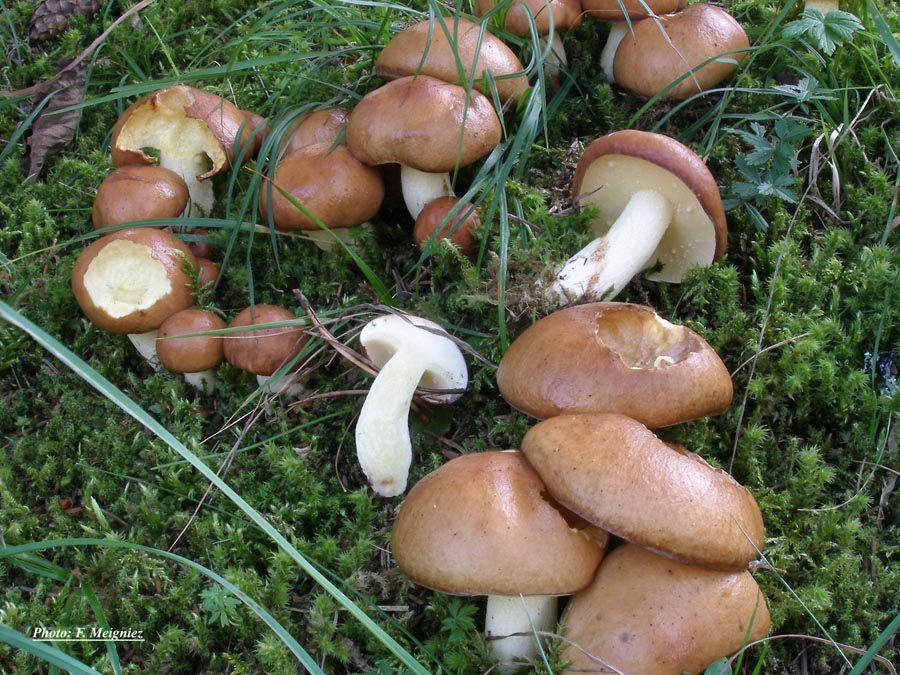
(329, 182)
(648, 615)
(138, 192)
(131, 280)
(483, 524)
(615, 166)
(424, 123)
(612, 10)
(614, 357)
(566, 14)
(615, 473)
(656, 53)
(441, 48)
(263, 351)
(195, 353)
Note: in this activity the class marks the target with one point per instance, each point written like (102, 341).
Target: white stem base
(604, 267)
(289, 385)
(327, 241)
(145, 343)
(506, 615)
(555, 60)
(202, 197)
(421, 187)
(617, 32)
(205, 381)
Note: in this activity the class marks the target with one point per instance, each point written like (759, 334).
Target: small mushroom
(187, 344)
(447, 218)
(428, 126)
(614, 357)
(482, 524)
(645, 614)
(411, 352)
(131, 280)
(658, 205)
(616, 474)
(138, 192)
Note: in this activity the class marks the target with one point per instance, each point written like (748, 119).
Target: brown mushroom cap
(611, 10)
(190, 354)
(615, 473)
(460, 228)
(648, 615)
(329, 181)
(481, 524)
(424, 123)
(653, 55)
(317, 126)
(138, 192)
(427, 48)
(615, 166)
(263, 351)
(565, 14)
(614, 357)
(131, 280)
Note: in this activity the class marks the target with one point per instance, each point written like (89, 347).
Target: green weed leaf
(826, 32)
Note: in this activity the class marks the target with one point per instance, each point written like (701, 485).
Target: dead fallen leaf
(51, 17)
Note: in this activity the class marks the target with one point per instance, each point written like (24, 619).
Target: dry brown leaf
(51, 17)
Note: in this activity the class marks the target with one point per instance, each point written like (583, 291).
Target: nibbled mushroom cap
(645, 614)
(611, 10)
(138, 192)
(131, 280)
(329, 182)
(482, 524)
(653, 55)
(615, 166)
(566, 14)
(615, 473)
(425, 48)
(424, 123)
(265, 350)
(182, 120)
(192, 354)
(614, 357)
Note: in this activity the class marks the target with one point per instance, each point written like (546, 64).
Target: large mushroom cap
(481, 524)
(131, 280)
(658, 52)
(519, 16)
(615, 473)
(424, 123)
(317, 126)
(614, 357)
(648, 615)
(329, 182)
(265, 350)
(615, 166)
(449, 48)
(138, 192)
(617, 10)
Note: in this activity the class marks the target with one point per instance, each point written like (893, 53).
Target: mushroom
(131, 280)
(698, 47)
(187, 344)
(411, 352)
(335, 188)
(194, 133)
(138, 192)
(645, 614)
(482, 524)
(266, 351)
(616, 474)
(658, 205)
(447, 218)
(317, 126)
(614, 357)
(426, 125)
(455, 50)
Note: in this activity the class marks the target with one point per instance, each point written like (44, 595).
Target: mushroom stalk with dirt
(411, 352)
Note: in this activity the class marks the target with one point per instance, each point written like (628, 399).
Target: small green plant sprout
(825, 30)
(220, 605)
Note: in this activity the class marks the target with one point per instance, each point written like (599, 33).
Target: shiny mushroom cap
(438, 221)
(131, 280)
(194, 353)
(481, 524)
(454, 50)
(616, 474)
(648, 615)
(138, 192)
(263, 351)
(317, 126)
(612, 10)
(658, 52)
(614, 357)
(565, 14)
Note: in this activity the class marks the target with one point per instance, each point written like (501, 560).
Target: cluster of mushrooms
(651, 542)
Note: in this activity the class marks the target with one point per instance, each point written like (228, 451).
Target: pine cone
(51, 17)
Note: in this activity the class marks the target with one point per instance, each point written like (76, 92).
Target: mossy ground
(799, 309)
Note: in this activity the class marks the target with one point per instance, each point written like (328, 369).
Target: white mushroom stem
(823, 6)
(203, 380)
(289, 385)
(145, 343)
(517, 616)
(554, 51)
(189, 168)
(617, 32)
(421, 187)
(605, 266)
